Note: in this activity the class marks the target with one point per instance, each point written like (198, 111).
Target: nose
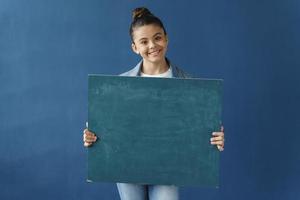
(151, 44)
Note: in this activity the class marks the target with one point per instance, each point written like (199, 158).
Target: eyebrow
(159, 33)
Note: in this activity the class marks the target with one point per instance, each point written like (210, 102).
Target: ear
(134, 49)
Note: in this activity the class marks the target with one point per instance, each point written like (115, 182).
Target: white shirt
(167, 74)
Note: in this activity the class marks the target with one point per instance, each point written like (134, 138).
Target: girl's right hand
(89, 138)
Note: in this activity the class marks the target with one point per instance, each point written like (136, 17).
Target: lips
(154, 53)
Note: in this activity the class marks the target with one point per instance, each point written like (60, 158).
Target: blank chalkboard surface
(154, 130)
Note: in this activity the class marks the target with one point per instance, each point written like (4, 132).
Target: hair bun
(140, 12)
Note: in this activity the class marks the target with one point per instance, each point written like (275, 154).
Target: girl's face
(150, 42)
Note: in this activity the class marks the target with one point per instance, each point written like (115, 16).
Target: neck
(154, 68)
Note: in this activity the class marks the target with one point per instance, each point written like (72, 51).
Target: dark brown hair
(142, 16)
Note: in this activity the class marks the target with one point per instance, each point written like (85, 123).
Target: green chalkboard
(154, 130)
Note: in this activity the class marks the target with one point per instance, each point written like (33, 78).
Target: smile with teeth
(154, 53)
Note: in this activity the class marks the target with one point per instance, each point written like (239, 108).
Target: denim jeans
(128, 191)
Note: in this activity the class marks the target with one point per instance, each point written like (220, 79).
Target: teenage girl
(150, 41)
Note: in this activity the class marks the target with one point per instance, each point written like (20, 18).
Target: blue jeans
(128, 191)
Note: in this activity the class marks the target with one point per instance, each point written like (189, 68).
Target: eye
(158, 38)
(144, 42)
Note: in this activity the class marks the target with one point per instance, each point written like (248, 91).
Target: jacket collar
(136, 71)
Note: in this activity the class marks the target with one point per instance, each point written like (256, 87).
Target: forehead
(147, 31)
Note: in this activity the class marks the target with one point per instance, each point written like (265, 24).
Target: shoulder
(180, 73)
(177, 72)
(134, 71)
(128, 73)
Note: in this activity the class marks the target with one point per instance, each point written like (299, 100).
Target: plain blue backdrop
(47, 48)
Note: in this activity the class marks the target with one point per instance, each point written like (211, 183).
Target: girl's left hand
(218, 139)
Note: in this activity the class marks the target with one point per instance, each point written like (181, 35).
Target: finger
(90, 139)
(85, 135)
(221, 148)
(87, 132)
(87, 144)
(218, 134)
(90, 136)
(217, 138)
(217, 143)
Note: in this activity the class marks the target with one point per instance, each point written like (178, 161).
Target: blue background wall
(47, 48)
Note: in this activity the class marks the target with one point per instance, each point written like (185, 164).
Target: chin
(156, 59)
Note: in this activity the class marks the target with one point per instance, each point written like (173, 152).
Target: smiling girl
(150, 41)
